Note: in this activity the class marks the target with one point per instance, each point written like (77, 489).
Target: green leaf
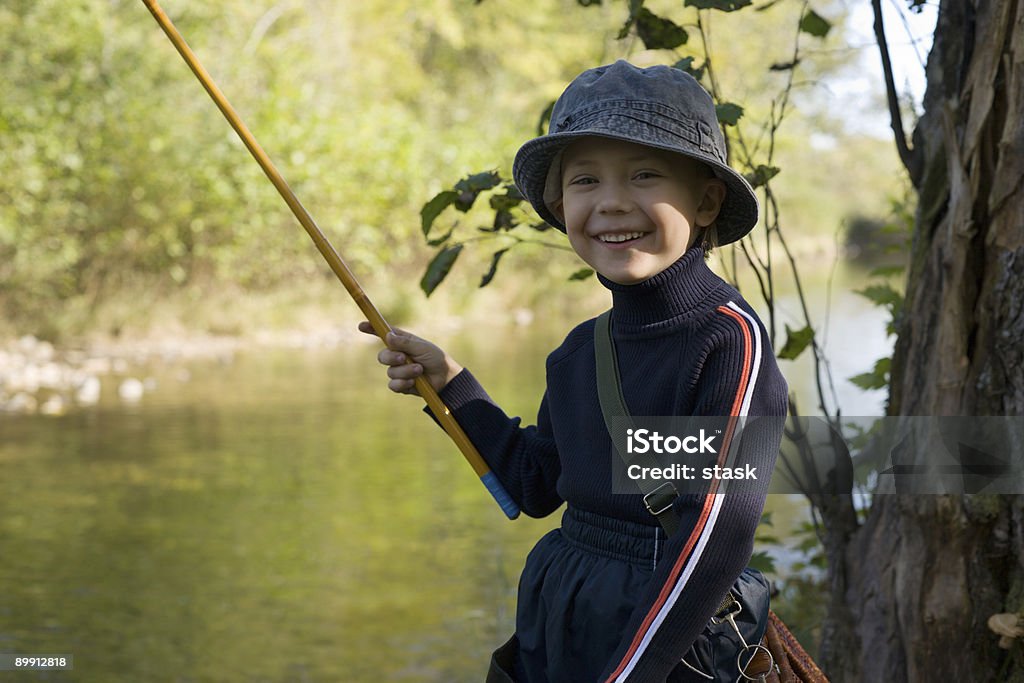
(471, 186)
(545, 118)
(439, 267)
(432, 209)
(509, 200)
(796, 342)
(477, 182)
(489, 275)
(762, 562)
(766, 518)
(761, 175)
(878, 378)
(438, 241)
(659, 33)
(815, 24)
(721, 5)
(634, 8)
(729, 113)
(884, 295)
(503, 220)
(581, 274)
(881, 294)
(686, 64)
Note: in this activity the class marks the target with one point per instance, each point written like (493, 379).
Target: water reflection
(279, 517)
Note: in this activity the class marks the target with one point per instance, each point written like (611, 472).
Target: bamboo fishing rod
(334, 260)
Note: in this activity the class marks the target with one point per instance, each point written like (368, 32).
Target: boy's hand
(408, 356)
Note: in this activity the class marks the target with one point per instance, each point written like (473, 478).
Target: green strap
(658, 498)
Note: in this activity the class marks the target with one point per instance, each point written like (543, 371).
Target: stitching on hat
(695, 131)
(632, 104)
(683, 129)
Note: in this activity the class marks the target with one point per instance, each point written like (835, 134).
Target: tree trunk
(924, 572)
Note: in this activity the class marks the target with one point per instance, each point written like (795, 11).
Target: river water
(280, 516)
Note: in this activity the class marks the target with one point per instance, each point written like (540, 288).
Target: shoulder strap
(658, 498)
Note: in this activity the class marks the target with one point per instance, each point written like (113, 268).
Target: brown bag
(789, 662)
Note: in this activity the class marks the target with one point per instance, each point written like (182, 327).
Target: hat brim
(738, 214)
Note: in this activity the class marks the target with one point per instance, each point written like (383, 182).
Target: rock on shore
(35, 378)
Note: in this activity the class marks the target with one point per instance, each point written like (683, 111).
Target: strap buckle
(659, 500)
(729, 608)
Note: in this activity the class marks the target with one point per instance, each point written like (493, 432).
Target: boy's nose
(614, 199)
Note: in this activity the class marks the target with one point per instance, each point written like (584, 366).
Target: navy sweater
(686, 344)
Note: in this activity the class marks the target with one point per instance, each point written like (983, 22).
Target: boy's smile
(630, 210)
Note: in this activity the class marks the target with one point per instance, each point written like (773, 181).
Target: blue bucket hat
(660, 107)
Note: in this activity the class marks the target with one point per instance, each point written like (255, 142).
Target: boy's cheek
(580, 244)
(574, 240)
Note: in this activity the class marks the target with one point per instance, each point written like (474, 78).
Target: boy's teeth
(621, 237)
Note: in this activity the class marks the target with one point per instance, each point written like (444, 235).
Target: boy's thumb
(403, 341)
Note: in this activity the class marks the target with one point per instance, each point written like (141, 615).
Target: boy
(633, 170)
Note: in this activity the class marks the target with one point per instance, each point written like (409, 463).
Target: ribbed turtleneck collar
(662, 299)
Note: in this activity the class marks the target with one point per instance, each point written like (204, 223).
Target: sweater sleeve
(738, 382)
(525, 459)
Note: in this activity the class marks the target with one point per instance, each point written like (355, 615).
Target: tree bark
(924, 572)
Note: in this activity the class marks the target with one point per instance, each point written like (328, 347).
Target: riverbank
(40, 377)
(135, 331)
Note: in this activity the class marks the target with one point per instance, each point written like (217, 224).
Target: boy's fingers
(410, 371)
(403, 341)
(403, 386)
(389, 357)
(365, 326)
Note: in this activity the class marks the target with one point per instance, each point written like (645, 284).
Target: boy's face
(631, 211)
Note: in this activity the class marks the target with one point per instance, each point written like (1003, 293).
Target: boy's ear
(557, 209)
(711, 202)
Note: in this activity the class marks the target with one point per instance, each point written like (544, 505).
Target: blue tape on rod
(505, 502)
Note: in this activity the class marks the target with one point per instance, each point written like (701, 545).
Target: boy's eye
(643, 175)
(583, 180)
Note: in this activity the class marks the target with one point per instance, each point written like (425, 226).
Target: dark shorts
(577, 592)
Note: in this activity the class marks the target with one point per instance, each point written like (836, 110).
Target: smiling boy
(631, 211)
(633, 169)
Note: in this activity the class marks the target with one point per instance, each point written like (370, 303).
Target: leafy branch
(506, 203)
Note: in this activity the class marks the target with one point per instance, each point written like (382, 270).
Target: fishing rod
(334, 260)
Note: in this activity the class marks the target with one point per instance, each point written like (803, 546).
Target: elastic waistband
(613, 537)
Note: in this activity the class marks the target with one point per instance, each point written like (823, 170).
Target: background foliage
(122, 189)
